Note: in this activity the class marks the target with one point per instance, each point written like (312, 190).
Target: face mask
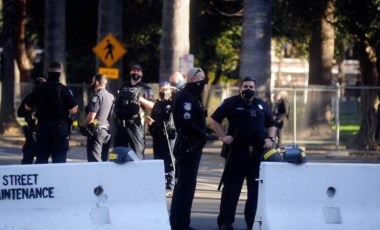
(54, 76)
(196, 87)
(135, 77)
(179, 84)
(248, 94)
(93, 85)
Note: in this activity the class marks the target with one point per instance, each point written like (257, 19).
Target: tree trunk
(23, 62)
(109, 21)
(175, 36)
(321, 50)
(365, 138)
(55, 34)
(8, 123)
(256, 50)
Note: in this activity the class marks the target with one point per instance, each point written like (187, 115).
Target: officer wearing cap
(190, 122)
(251, 129)
(97, 120)
(54, 103)
(130, 130)
(161, 127)
(30, 129)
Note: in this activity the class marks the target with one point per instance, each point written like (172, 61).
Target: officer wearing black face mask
(97, 120)
(133, 98)
(190, 122)
(163, 132)
(251, 129)
(54, 103)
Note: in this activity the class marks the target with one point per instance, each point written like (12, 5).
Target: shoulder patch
(94, 99)
(260, 107)
(187, 106)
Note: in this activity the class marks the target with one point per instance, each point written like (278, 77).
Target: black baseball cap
(137, 66)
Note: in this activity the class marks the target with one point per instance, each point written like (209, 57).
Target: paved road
(207, 198)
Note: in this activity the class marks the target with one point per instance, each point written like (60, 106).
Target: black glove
(211, 138)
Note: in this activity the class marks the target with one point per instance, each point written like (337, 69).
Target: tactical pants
(53, 140)
(29, 147)
(161, 151)
(98, 145)
(131, 136)
(242, 164)
(186, 174)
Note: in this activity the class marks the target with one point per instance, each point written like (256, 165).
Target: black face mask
(248, 94)
(196, 87)
(54, 76)
(135, 77)
(92, 86)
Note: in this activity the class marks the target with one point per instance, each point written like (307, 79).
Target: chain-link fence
(335, 118)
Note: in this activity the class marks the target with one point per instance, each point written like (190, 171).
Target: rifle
(226, 163)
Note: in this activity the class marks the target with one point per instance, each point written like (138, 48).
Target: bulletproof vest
(127, 105)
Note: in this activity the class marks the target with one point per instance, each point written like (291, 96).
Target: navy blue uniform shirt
(52, 100)
(189, 115)
(250, 119)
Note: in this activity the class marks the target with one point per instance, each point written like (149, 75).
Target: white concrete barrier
(81, 196)
(318, 196)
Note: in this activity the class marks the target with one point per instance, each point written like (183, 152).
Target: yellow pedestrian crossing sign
(109, 50)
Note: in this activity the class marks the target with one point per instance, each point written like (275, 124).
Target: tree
(175, 36)
(362, 21)
(109, 21)
(256, 50)
(55, 34)
(8, 123)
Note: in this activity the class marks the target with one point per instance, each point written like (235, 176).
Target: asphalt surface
(207, 198)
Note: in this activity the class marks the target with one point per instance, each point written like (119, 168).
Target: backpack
(127, 105)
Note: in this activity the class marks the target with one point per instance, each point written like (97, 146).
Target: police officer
(251, 129)
(163, 131)
(178, 81)
(54, 103)
(97, 120)
(130, 132)
(190, 122)
(30, 129)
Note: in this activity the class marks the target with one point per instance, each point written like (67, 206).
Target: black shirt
(250, 119)
(52, 101)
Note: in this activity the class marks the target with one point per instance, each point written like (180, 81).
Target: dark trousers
(131, 136)
(242, 164)
(161, 151)
(98, 145)
(184, 189)
(29, 147)
(53, 140)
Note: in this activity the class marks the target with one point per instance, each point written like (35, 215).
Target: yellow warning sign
(111, 73)
(109, 50)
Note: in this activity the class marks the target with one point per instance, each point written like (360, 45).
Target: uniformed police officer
(163, 131)
(54, 103)
(190, 122)
(251, 129)
(30, 129)
(97, 120)
(130, 132)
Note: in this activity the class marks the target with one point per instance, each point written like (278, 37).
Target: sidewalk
(328, 151)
